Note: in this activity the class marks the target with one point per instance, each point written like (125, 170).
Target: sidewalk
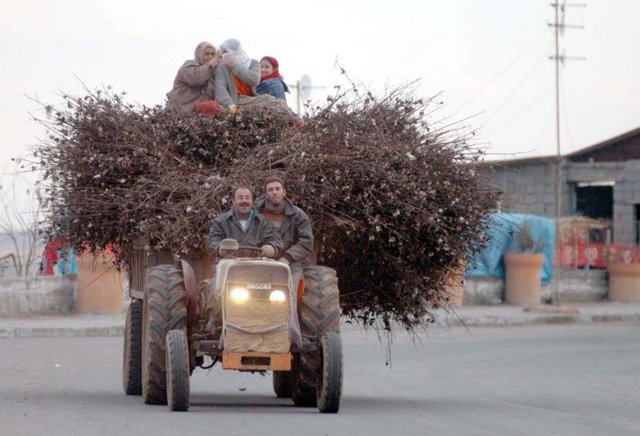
(77, 324)
(469, 316)
(509, 315)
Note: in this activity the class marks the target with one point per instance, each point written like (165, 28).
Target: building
(600, 181)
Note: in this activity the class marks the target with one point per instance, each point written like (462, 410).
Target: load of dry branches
(395, 201)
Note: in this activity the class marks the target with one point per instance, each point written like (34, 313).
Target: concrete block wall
(483, 291)
(582, 286)
(594, 172)
(42, 295)
(530, 188)
(575, 286)
(626, 195)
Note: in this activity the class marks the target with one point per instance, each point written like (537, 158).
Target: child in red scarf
(271, 81)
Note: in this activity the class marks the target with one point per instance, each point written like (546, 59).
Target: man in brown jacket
(291, 223)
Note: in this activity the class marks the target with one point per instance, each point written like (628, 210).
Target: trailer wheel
(132, 352)
(282, 381)
(329, 387)
(165, 308)
(319, 313)
(177, 358)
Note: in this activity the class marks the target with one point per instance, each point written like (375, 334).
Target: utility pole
(558, 27)
(303, 89)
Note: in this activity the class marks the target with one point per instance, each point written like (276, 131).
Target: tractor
(261, 322)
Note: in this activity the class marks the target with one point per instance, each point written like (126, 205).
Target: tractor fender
(191, 286)
(300, 290)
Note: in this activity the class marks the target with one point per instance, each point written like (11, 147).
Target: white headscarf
(232, 49)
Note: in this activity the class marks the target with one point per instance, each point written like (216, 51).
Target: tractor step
(207, 347)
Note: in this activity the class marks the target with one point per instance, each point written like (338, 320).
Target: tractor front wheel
(329, 389)
(177, 371)
(319, 313)
(165, 309)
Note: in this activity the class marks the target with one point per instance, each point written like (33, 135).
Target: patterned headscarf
(200, 50)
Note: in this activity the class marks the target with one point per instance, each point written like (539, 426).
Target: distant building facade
(600, 181)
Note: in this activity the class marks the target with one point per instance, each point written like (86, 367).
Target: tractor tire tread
(330, 386)
(177, 358)
(319, 313)
(166, 309)
(132, 353)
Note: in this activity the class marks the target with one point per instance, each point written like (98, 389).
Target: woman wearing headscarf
(193, 88)
(236, 76)
(271, 82)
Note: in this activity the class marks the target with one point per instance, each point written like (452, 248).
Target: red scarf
(274, 75)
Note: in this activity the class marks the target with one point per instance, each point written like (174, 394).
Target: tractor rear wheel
(132, 352)
(319, 313)
(330, 380)
(165, 308)
(282, 381)
(177, 371)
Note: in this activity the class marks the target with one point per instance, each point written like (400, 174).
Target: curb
(65, 332)
(547, 319)
(468, 320)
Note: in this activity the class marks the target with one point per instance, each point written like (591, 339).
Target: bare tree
(19, 215)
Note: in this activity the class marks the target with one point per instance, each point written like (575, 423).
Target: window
(595, 199)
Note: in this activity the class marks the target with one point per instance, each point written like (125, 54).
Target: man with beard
(290, 222)
(245, 225)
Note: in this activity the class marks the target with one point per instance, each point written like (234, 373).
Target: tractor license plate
(258, 285)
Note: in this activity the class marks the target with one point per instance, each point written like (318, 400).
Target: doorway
(637, 223)
(595, 199)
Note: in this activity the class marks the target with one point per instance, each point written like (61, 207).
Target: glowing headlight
(239, 295)
(277, 296)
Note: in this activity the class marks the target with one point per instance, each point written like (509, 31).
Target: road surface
(541, 380)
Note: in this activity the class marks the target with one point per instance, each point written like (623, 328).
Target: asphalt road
(541, 380)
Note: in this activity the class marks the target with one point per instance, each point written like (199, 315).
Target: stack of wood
(581, 229)
(395, 200)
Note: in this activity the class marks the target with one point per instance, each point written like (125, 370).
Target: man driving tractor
(242, 226)
(245, 225)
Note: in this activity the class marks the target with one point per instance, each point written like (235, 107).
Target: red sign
(580, 255)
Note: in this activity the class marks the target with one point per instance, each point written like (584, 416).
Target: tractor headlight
(239, 295)
(278, 296)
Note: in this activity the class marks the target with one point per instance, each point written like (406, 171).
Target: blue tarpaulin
(503, 237)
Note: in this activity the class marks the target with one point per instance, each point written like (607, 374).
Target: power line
(563, 100)
(515, 89)
(506, 68)
(535, 101)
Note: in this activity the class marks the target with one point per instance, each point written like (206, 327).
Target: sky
(487, 60)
